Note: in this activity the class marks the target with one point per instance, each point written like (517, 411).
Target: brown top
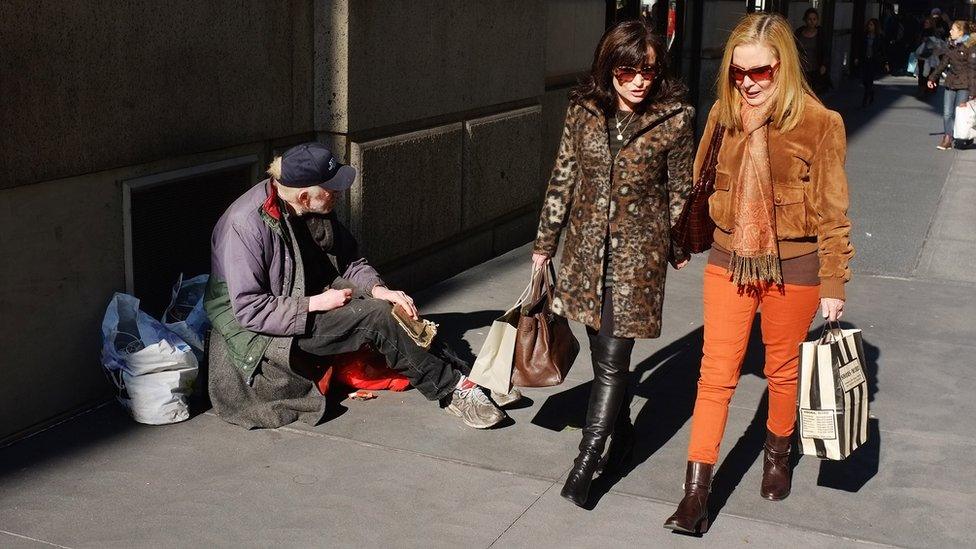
(800, 270)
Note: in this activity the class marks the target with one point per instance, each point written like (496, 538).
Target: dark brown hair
(626, 44)
(877, 26)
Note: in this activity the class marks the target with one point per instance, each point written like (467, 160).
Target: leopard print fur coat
(634, 199)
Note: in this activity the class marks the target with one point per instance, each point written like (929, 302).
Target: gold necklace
(620, 131)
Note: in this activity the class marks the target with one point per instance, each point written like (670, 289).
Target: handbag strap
(550, 281)
(714, 146)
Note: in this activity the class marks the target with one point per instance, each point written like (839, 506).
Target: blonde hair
(773, 31)
(274, 168)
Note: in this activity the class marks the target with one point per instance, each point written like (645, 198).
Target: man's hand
(397, 298)
(539, 260)
(831, 308)
(328, 300)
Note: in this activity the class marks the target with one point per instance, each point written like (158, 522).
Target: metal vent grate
(170, 228)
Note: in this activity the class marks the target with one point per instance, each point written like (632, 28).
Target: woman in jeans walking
(622, 176)
(781, 245)
(959, 64)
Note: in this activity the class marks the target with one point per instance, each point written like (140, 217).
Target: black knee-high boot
(623, 437)
(611, 364)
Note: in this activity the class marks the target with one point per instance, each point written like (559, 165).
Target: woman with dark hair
(930, 44)
(873, 64)
(621, 178)
(813, 51)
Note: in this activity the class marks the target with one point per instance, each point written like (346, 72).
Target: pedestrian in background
(873, 64)
(959, 64)
(813, 49)
(927, 53)
(781, 245)
(621, 178)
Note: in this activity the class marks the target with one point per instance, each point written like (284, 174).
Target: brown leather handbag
(695, 229)
(545, 347)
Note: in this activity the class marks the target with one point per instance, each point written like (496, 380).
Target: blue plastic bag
(185, 316)
(152, 367)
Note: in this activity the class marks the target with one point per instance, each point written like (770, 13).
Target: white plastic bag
(965, 123)
(152, 368)
(184, 316)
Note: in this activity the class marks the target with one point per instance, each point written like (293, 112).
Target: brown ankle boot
(692, 514)
(776, 467)
(945, 144)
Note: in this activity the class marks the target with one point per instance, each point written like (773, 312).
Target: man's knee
(374, 311)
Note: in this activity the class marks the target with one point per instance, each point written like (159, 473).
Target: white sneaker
(474, 408)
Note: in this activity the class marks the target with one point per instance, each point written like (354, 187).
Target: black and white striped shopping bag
(832, 396)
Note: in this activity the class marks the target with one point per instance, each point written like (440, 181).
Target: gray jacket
(257, 302)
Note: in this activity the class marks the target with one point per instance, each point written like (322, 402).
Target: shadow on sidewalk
(846, 100)
(451, 328)
(670, 390)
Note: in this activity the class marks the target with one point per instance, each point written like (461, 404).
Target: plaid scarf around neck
(755, 252)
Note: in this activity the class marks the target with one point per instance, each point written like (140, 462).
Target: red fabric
(363, 369)
(271, 204)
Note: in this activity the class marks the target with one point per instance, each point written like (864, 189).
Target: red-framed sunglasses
(758, 75)
(626, 74)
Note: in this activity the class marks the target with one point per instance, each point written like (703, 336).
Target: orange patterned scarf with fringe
(755, 253)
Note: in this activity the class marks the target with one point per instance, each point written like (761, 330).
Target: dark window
(171, 227)
(621, 10)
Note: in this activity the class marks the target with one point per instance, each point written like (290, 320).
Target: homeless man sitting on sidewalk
(287, 290)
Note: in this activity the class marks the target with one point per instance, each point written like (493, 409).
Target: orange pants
(786, 313)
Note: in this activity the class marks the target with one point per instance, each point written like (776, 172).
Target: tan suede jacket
(809, 191)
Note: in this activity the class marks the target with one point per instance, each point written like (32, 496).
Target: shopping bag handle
(542, 287)
(831, 331)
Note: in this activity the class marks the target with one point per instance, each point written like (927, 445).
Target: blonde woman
(781, 245)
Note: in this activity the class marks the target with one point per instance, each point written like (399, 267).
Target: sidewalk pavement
(396, 471)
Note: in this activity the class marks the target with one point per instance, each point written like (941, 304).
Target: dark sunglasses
(626, 74)
(764, 73)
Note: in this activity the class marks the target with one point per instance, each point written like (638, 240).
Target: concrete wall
(446, 113)
(88, 85)
(573, 29)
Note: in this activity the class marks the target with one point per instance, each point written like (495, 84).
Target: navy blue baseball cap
(313, 163)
